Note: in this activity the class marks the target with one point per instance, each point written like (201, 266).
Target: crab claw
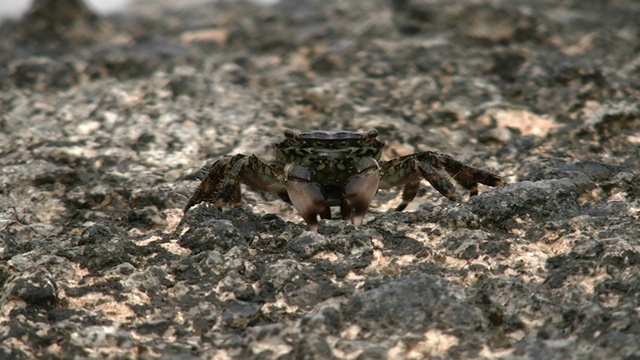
(360, 190)
(305, 196)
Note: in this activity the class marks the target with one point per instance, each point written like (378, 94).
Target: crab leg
(259, 175)
(415, 169)
(408, 170)
(408, 193)
(221, 186)
(360, 190)
(469, 176)
(439, 182)
(305, 196)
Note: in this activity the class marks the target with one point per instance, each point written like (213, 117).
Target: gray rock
(414, 302)
(540, 200)
(104, 134)
(31, 288)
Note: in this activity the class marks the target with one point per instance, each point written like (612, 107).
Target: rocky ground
(106, 123)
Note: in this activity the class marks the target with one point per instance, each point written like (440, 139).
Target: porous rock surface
(103, 137)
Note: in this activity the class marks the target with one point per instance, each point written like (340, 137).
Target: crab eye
(371, 134)
(291, 135)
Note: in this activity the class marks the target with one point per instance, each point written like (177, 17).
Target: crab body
(316, 170)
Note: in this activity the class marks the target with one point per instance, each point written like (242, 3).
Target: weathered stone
(105, 132)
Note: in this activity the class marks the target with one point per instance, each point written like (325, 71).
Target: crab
(315, 170)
